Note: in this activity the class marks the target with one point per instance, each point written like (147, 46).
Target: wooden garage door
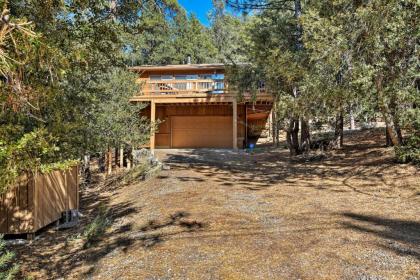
(201, 132)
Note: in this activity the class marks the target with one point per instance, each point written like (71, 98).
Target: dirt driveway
(225, 215)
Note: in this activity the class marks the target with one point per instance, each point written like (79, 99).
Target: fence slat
(38, 201)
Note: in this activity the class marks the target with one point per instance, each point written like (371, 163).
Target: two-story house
(195, 108)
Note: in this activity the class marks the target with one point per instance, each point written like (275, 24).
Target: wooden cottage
(196, 109)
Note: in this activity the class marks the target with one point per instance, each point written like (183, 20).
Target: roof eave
(151, 68)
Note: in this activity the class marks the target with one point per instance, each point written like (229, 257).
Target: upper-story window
(155, 77)
(192, 77)
(167, 77)
(180, 77)
(218, 76)
(205, 76)
(212, 76)
(161, 77)
(188, 77)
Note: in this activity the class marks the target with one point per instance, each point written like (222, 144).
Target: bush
(138, 172)
(410, 151)
(97, 228)
(410, 119)
(8, 268)
(30, 152)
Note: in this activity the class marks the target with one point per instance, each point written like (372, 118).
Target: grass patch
(96, 229)
(8, 267)
(140, 172)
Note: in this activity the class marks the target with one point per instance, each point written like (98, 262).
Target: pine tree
(275, 46)
(227, 33)
(373, 48)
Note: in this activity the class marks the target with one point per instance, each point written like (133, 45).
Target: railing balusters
(156, 87)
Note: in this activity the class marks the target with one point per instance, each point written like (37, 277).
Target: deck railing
(158, 87)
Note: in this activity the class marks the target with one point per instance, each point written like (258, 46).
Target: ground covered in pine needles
(353, 214)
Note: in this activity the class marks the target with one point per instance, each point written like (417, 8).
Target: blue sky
(199, 7)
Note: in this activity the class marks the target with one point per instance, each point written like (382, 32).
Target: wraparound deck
(193, 101)
(170, 87)
(202, 98)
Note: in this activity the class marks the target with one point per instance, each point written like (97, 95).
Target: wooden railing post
(152, 120)
(121, 156)
(155, 87)
(235, 124)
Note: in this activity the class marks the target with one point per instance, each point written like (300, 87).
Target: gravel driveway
(218, 214)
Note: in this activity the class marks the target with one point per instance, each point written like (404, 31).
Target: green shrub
(97, 228)
(138, 172)
(8, 268)
(410, 151)
(410, 119)
(29, 152)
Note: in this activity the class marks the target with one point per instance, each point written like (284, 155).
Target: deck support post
(152, 123)
(235, 124)
(30, 236)
(121, 156)
(246, 126)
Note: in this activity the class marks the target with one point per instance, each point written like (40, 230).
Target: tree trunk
(391, 128)
(391, 131)
(109, 161)
(339, 131)
(299, 29)
(352, 121)
(102, 162)
(133, 162)
(305, 136)
(113, 8)
(86, 169)
(116, 157)
(128, 163)
(275, 134)
(293, 137)
(395, 119)
(388, 137)
(398, 131)
(121, 156)
(274, 126)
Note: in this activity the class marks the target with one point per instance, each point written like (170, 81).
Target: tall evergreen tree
(374, 48)
(169, 37)
(227, 33)
(57, 57)
(276, 48)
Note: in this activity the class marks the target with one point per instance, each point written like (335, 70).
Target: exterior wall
(164, 114)
(252, 120)
(146, 75)
(36, 202)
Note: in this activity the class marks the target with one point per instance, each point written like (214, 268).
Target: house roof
(213, 66)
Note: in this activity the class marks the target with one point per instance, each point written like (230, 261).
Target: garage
(201, 131)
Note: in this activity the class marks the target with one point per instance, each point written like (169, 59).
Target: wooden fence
(37, 201)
